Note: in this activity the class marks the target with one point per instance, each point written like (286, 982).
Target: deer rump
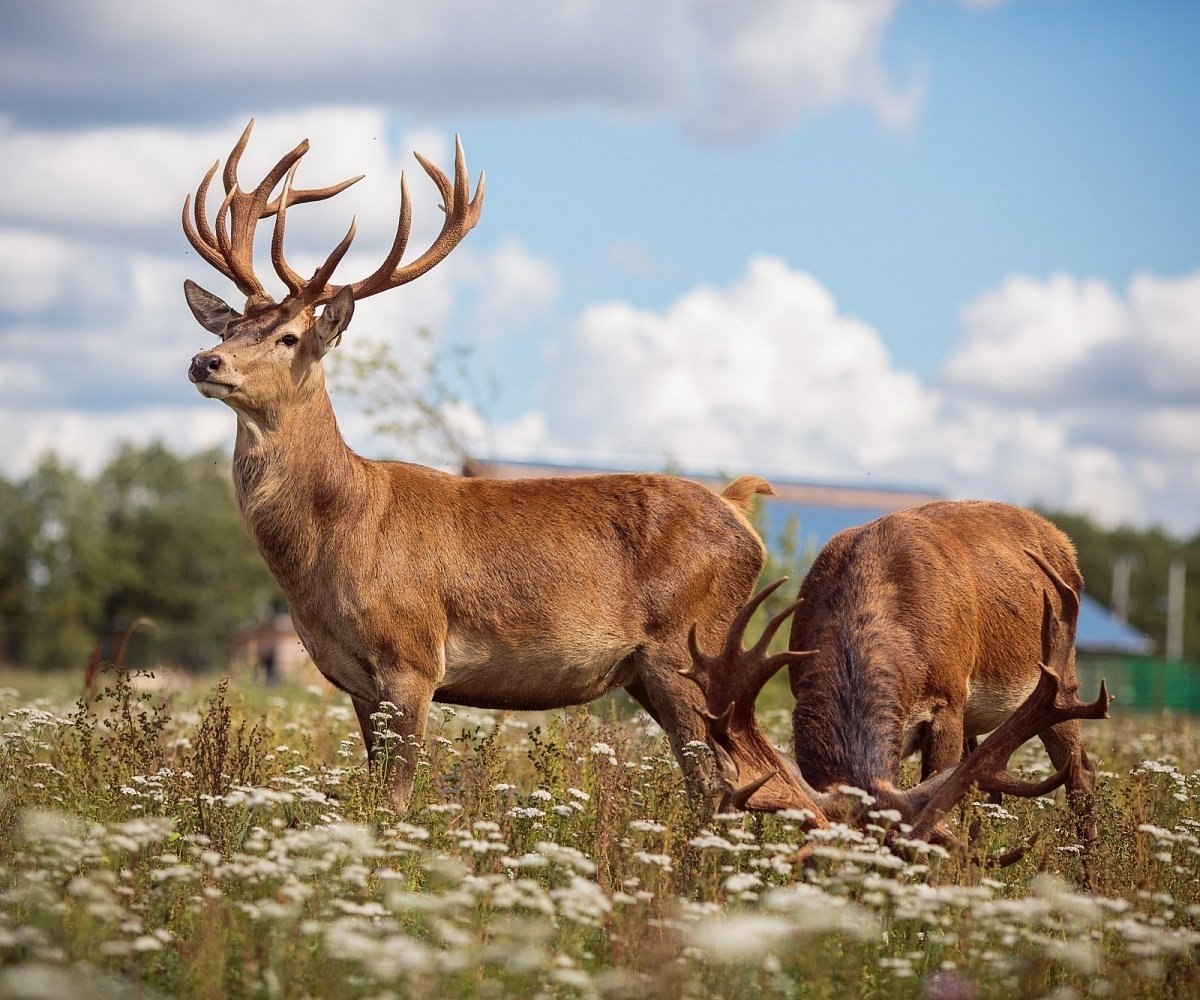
(916, 632)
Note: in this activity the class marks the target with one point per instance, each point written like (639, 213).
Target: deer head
(757, 776)
(270, 351)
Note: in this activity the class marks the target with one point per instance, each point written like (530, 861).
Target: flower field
(231, 842)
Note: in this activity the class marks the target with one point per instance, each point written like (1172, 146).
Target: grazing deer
(917, 631)
(407, 584)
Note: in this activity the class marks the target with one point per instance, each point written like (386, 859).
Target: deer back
(932, 609)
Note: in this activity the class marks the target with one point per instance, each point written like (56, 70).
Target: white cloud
(726, 71)
(36, 269)
(762, 374)
(1064, 341)
(1165, 334)
(1027, 337)
(95, 337)
(768, 375)
(86, 439)
(767, 64)
(514, 286)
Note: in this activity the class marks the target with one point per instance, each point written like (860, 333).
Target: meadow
(216, 840)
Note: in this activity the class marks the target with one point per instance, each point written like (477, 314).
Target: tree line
(155, 535)
(1148, 554)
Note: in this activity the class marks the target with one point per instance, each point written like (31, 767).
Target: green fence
(1142, 683)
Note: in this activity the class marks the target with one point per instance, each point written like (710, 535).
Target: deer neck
(296, 482)
(846, 727)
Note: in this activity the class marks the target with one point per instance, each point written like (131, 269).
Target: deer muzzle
(204, 365)
(211, 375)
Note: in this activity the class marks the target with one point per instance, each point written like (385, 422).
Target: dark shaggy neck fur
(292, 481)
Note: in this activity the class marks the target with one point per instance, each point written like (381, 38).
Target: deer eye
(289, 340)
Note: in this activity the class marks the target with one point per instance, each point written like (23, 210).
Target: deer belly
(989, 703)
(486, 675)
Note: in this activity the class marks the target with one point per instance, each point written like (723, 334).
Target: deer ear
(334, 319)
(211, 312)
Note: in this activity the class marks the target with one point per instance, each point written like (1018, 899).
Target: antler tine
(290, 277)
(753, 667)
(230, 249)
(440, 179)
(301, 196)
(737, 628)
(730, 681)
(1066, 593)
(764, 667)
(399, 242)
(301, 289)
(247, 208)
(719, 723)
(229, 175)
(317, 289)
(768, 633)
(461, 217)
(727, 771)
(202, 231)
(987, 765)
(738, 798)
(700, 659)
(206, 248)
(1049, 630)
(225, 245)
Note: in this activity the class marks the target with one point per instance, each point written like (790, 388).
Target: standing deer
(407, 584)
(916, 632)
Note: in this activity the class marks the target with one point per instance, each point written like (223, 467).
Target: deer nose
(204, 364)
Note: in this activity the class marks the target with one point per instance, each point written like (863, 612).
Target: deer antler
(987, 766)
(748, 764)
(229, 247)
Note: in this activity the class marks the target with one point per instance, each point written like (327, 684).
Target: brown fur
(928, 625)
(923, 630)
(407, 584)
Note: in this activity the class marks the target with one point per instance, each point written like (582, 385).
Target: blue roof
(1100, 632)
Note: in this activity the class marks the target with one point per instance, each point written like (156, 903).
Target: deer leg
(677, 705)
(945, 745)
(401, 734)
(364, 709)
(637, 691)
(970, 745)
(1064, 744)
(944, 742)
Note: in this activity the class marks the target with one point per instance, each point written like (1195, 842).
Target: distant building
(273, 650)
(821, 510)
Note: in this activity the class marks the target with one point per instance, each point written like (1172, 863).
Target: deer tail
(743, 489)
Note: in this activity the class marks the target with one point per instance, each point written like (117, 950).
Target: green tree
(410, 401)
(57, 563)
(785, 557)
(18, 529)
(179, 556)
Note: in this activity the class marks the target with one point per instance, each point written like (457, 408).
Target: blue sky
(950, 244)
(1056, 136)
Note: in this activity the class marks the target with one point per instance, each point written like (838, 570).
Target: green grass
(223, 841)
